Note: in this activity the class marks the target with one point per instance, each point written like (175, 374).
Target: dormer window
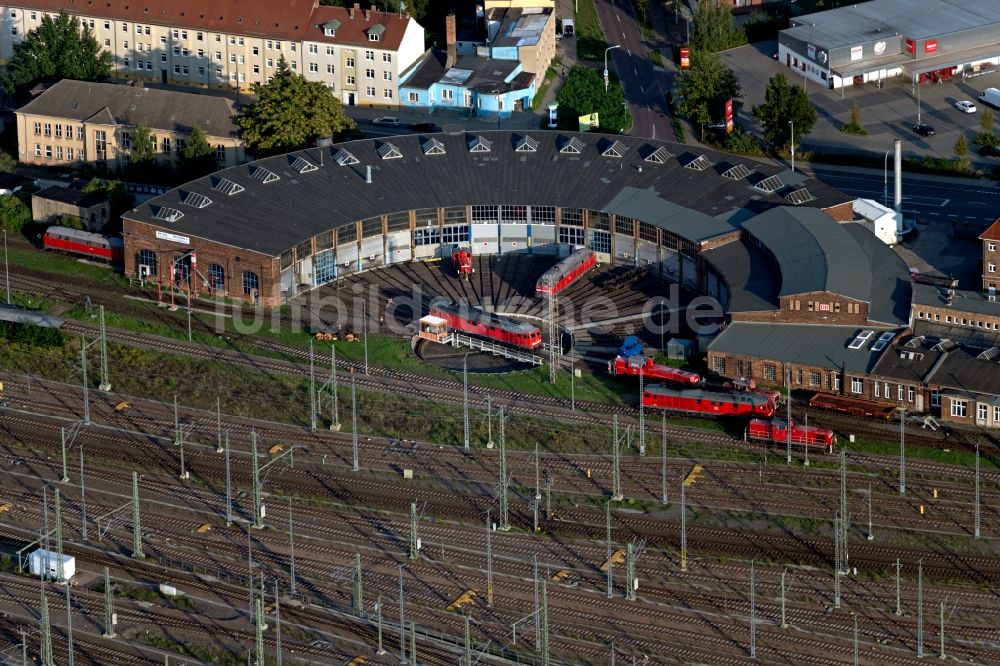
(329, 32)
(330, 27)
(373, 37)
(375, 32)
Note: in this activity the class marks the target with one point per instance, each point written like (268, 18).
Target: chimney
(351, 10)
(368, 15)
(368, 174)
(450, 38)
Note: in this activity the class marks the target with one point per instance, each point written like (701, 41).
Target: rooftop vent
(480, 144)
(526, 145)
(699, 163)
(572, 146)
(616, 149)
(659, 156)
(432, 146)
(944, 345)
(990, 354)
(883, 341)
(388, 151)
(196, 200)
(915, 342)
(262, 175)
(861, 339)
(799, 196)
(344, 158)
(769, 185)
(736, 172)
(302, 165)
(168, 214)
(227, 187)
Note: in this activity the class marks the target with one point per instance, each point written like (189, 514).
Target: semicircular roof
(280, 201)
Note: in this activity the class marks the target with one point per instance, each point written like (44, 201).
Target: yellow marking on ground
(693, 476)
(617, 558)
(464, 599)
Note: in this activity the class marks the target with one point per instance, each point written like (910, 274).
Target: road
(631, 62)
(928, 198)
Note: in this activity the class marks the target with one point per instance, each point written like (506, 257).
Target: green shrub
(14, 214)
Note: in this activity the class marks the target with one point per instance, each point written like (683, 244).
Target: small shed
(41, 559)
(92, 208)
(434, 328)
(679, 349)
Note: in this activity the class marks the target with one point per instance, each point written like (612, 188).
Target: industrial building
(882, 39)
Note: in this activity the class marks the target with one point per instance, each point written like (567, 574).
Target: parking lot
(887, 112)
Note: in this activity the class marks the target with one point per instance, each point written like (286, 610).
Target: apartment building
(77, 122)
(357, 52)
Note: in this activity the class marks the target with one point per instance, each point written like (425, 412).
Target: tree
(962, 151)
(714, 30)
(197, 156)
(855, 126)
(121, 200)
(416, 8)
(58, 48)
(986, 121)
(784, 105)
(704, 88)
(641, 9)
(291, 113)
(583, 93)
(142, 149)
(14, 214)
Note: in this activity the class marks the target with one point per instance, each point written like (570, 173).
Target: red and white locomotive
(84, 243)
(470, 319)
(643, 365)
(708, 402)
(566, 272)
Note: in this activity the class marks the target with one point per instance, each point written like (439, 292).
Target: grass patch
(29, 301)
(590, 42)
(952, 457)
(206, 654)
(656, 57)
(61, 265)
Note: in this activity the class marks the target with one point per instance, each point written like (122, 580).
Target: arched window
(216, 277)
(250, 283)
(182, 269)
(147, 258)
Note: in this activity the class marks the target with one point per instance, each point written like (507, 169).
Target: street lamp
(616, 46)
(885, 178)
(792, 123)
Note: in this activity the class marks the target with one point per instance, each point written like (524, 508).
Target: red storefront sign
(685, 57)
(910, 46)
(729, 115)
(930, 46)
(824, 307)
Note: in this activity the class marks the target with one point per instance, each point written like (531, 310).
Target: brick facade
(811, 308)
(968, 410)
(991, 256)
(235, 263)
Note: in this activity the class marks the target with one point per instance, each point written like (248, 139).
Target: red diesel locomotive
(636, 365)
(708, 402)
(84, 243)
(461, 261)
(776, 430)
(469, 319)
(566, 272)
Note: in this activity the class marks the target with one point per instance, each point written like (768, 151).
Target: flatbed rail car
(707, 402)
(84, 243)
(852, 406)
(776, 430)
(633, 366)
(470, 319)
(566, 272)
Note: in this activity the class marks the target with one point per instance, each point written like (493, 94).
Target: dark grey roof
(518, 26)
(815, 252)
(752, 277)
(862, 22)
(72, 196)
(962, 370)
(258, 218)
(962, 301)
(650, 206)
(804, 344)
(427, 71)
(909, 361)
(130, 105)
(963, 335)
(889, 302)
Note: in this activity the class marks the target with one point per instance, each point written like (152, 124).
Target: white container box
(38, 560)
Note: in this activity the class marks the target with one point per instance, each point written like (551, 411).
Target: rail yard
(484, 522)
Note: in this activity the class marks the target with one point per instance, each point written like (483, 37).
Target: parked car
(965, 106)
(989, 151)
(386, 121)
(923, 129)
(424, 127)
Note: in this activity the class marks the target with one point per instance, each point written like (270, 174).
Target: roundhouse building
(872, 41)
(272, 229)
